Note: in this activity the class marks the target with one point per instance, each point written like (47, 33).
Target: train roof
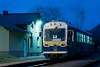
(77, 28)
(72, 26)
(55, 22)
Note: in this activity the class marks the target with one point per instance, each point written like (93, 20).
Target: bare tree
(48, 13)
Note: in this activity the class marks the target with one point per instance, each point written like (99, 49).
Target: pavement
(77, 63)
(32, 57)
(25, 60)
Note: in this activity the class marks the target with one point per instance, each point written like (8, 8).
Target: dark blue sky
(70, 8)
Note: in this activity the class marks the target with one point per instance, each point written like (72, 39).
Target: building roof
(9, 21)
(96, 32)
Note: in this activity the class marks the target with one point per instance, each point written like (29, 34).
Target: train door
(70, 36)
(70, 41)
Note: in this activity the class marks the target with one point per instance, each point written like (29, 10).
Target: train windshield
(54, 34)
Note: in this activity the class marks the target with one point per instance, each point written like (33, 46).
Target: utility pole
(78, 17)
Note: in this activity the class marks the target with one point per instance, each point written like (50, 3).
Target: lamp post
(78, 16)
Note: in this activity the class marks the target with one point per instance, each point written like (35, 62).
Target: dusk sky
(70, 8)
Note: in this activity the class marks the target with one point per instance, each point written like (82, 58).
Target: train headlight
(62, 44)
(46, 45)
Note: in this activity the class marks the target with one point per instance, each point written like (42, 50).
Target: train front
(55, 39)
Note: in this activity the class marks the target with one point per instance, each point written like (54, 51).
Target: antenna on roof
(68, 22)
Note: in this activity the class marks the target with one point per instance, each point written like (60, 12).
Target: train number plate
(55, 48)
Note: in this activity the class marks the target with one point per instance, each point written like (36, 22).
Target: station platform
(24, 60)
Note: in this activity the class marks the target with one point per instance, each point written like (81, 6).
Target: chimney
(5, 12)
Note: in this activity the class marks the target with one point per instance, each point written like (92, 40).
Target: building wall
(35, 48)
(16, 42)
(4, 41)
(34, 42)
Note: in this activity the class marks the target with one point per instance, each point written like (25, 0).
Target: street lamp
(78, 16)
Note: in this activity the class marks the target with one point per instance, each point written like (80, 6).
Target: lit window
(90, 42)
(77, 37)
(87, 39)
(82, 38)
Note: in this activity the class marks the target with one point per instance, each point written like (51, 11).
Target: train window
(77, 37)
(52, 34)
(87, 39)
(82, 38)
(69, 33)
(90, 42)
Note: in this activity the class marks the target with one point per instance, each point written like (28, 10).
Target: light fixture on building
(38, 22)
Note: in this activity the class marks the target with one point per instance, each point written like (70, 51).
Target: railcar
(61, 40)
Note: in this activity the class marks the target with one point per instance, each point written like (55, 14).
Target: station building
(20, 34)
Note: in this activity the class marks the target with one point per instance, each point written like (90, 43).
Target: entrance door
(25, 48)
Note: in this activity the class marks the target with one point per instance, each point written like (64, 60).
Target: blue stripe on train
(51, 48)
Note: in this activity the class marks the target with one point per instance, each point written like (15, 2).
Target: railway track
(52, 62)
(33, 63)
(66, 61)
(47, 62)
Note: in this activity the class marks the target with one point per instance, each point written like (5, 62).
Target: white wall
(16, 43)
(4, 41)
(36, 48)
